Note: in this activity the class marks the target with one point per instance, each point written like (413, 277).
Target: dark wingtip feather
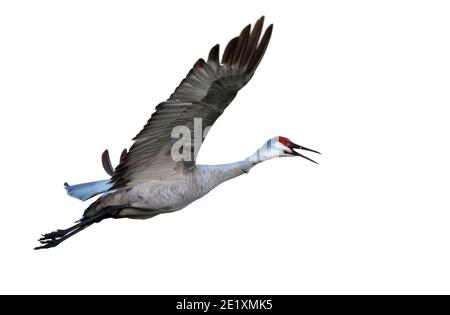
(259, 25)
(261, 49)
(123, 155)
(260, 20)
(228, 53)
(106, 162)
(214, 54)
(252, 42)
(200, 64)
(241, 45)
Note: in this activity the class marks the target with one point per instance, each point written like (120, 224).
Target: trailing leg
(53, 239)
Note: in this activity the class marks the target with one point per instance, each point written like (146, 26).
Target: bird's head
(281, 147)
(287, 148)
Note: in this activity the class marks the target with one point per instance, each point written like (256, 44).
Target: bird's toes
(55, 234)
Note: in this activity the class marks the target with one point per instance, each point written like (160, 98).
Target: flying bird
(151, 178)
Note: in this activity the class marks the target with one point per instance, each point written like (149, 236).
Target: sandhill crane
(150, 179)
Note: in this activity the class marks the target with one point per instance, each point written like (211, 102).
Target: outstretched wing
(203, 95)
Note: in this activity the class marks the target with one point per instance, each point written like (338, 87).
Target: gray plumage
(148, 180)
(153, 197)
(205, 93)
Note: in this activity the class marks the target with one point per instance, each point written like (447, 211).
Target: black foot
(47, 243)
(56, 234)
(53, 239)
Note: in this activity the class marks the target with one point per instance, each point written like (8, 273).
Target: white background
(365, 82)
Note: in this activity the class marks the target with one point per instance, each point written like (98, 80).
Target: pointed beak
(299, 147)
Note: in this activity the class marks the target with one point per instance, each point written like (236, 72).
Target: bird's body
(153, 197)
(159, 174)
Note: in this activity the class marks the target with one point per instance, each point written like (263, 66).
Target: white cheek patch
(279, 148)
(271, 149)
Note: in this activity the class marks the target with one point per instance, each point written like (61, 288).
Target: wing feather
(207, 90)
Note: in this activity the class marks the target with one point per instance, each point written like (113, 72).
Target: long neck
(266, 152)
(214, 175)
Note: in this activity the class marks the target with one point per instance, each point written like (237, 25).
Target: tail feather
(86, 191)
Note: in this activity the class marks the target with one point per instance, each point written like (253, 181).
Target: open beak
(296, 146)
